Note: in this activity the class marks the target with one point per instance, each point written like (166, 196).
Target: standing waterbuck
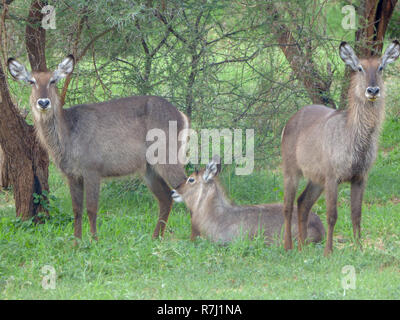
(329, 146)
(93, 141)
(214, 216)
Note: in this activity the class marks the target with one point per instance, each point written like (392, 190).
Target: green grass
(127, 264)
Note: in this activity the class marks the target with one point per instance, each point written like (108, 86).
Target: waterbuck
(93, 141)
(329, 146)
(215, 217)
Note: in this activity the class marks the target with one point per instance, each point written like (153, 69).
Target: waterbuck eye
(53, 81)
(191, 180)
(31, 82)
(360, 69)
(380, 68)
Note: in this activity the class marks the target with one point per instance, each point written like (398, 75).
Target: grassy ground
(127, 264)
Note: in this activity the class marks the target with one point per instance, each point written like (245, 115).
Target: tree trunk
(317, 87)
(4, 167)
(301, 61)
(376, 15)
(27, 160)
(35, 37)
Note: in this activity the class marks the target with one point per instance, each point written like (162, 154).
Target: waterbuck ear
(64, 68)
(18, 70)
(213, 168)
(391, 53)
(348, 56)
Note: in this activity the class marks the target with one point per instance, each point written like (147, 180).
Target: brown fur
(92, 141)
(329, 147)
(215, 217)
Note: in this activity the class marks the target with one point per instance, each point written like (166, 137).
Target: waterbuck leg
(76, 190)
(92, 190)
(290, 189)
(304, 204)
(162, 192)
(331, 193)
(173, 174)
(357, 191)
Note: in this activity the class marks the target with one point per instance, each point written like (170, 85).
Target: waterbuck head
(44, 96)
(199, 185)
(367, 72)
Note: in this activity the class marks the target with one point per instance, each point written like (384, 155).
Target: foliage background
(222, 63)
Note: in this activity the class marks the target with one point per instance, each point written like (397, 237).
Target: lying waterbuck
(329, 146)
(93, 141)
(215, 217)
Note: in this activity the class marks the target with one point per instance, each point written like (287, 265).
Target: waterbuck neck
(53, 132)
(364, 118)
(211, 200)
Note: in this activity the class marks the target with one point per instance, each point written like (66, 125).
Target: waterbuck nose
(43, 103)
(373, 90)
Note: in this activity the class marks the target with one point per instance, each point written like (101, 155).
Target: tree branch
(80, 56)
(35, 37)
(74, 52)
(245, 59)
(83, 52)
(301, 62)
(159, 15)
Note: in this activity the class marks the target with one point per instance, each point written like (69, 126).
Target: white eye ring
(190, 180)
